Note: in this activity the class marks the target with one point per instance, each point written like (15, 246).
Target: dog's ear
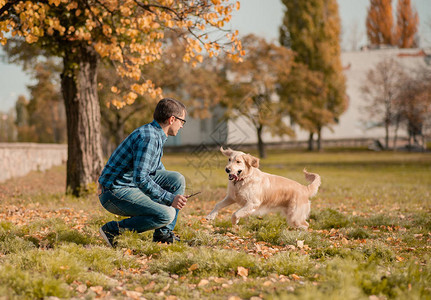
(251, 161)
(227, 152)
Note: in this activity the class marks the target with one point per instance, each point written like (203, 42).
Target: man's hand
(179, 202)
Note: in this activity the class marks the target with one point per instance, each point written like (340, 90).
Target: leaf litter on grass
(368, 248)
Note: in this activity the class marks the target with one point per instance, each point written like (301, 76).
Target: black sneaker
(168, 237)
(108, 236)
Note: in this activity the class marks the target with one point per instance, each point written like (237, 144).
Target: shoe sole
(102, 233)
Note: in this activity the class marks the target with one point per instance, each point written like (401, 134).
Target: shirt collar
(159, 130)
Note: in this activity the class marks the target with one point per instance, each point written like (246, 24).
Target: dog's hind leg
(299, 216)
(225, 202)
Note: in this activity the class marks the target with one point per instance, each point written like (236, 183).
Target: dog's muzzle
(233, 176)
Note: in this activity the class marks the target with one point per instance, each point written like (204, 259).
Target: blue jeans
(145, 213)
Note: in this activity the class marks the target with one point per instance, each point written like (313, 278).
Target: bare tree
(381, 89)
(355, 36)
(414, 105)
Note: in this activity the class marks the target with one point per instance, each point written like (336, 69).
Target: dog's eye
(238, 162)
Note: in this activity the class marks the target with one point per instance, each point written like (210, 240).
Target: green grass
(369, 235)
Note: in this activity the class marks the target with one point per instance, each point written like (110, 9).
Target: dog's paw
(211, 217)
(234, 220)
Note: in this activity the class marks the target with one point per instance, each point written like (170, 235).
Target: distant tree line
(399, 98)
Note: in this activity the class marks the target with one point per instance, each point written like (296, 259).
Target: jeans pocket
(108, 202)
(112, 208)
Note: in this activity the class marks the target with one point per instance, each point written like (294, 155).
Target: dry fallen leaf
(193, 267)
(242, 271)
(150, 285)
(267, 283)
(203, 282)
(82, 288)
(295, 277)
(300, 244)
(133, 294)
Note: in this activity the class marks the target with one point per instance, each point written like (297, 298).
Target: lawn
(369, 236)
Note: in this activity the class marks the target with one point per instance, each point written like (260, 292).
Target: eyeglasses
(182, 120)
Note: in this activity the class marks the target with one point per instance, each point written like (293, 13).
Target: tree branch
(6, 7)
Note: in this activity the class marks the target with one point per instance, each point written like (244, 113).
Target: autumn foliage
(128, 33)
(380, 24)
(407, 25)
(255, 82)
(312, 30)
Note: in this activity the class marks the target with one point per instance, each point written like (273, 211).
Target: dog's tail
(315, 180)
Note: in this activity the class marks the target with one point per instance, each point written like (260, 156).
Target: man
(134, 182)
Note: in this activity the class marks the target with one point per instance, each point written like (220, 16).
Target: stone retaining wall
(18, 159)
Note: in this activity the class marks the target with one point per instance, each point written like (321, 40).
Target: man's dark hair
(166, 108)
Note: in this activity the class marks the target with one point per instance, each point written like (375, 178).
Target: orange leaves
(57, 2)
(243, 272)
(203, 282)
(379, 22)
(407, 25)
(128, 32)
(147, 88)
(193, 267)
(130, 98)
(106, 30)
(295, 277)
(54, 2)
(23, 215)
(115, 90)
(111, 5)
(72, 5)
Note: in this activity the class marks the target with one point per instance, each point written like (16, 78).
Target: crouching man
(134, 183)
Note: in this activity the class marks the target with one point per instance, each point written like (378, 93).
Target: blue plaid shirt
(135, 159)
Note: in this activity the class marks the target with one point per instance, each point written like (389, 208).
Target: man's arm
(161, 166)
(144, 153)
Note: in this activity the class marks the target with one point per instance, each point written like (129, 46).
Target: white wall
(18, 159)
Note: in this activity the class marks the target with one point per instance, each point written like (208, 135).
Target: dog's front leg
(245, 211)
(225, 202)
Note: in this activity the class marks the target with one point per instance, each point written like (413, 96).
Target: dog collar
(235, 181)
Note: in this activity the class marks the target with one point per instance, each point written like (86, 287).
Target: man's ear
(226, 152)
(251, 161)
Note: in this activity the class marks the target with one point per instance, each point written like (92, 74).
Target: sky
(261, 17)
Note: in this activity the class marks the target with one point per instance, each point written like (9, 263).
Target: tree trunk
(319, 140)
(260, 143)
(310, 142)
(386, 136)
(79, 89)
(397, 125)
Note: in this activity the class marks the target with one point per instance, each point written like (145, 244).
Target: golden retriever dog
(259, 192)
